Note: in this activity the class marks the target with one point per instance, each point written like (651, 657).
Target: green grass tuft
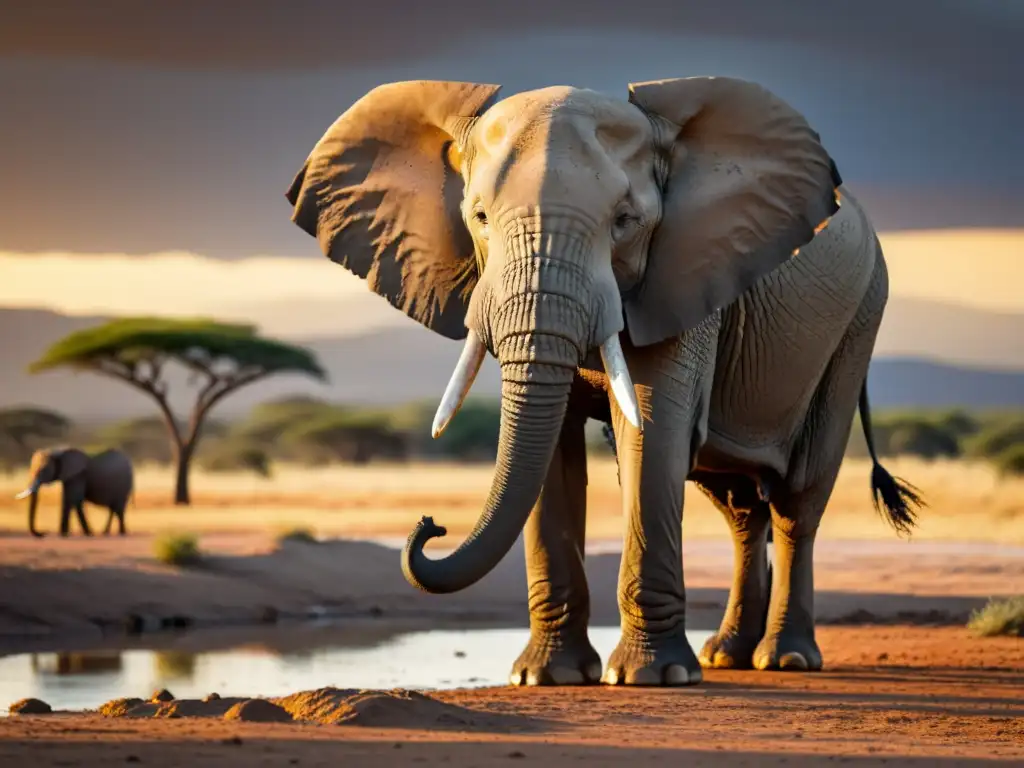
(999, 617)
(177, 549)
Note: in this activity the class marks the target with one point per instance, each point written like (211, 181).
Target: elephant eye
(480, 218)
(623, 221)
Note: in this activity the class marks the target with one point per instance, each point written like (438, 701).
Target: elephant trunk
(33, 503)
(531, 420)
(540, 311)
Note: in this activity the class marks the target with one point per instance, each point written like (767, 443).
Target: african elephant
(661, 264)
(105, 479)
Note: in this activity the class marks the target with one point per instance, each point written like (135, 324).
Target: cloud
(289, 35)
(178, 124)
(314, 297)
(290, 297)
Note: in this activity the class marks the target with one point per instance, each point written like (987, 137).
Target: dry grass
(967, 502)
(999, 617)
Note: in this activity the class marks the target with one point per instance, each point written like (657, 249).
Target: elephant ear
(381, 191)
(746, 182)
(70, 462)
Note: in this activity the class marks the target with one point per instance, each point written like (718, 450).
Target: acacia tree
(136, 351)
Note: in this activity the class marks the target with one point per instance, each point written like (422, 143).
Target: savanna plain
(906, 680)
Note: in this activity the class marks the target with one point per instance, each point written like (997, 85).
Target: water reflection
(91, 663)
(170, 666)
(418, 660)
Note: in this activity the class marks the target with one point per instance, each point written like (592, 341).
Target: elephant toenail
(516, 678)
(645, 676)
(763, 662)
(532, 678)
(793, 660)
(612, 677)
(677, 675)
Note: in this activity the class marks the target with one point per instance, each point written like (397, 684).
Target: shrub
(916, 437)
(999, 617)
(298, 534)
(997, 439)
(231, 456)
(177, 549)
(1010, 463)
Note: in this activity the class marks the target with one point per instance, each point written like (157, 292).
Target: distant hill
(394, 365)
(918, 383)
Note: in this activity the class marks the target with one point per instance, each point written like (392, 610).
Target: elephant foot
(644, 659)
(728, 650)
(557, 658)
(788, 651)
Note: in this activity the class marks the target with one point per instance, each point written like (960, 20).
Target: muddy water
(434, 659)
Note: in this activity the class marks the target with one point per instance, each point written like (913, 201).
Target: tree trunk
(183, 458)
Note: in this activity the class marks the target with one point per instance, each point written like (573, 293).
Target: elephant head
(541, 226)
(48, 466)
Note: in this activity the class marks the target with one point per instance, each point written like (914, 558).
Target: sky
(146, 147)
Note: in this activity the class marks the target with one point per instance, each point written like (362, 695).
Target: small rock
(258, 711)
(883, 656)
(234, 740)
(162, 695)
(211, 697)
(460, 654)
(516, 754)
(30, 707)
(120, 707)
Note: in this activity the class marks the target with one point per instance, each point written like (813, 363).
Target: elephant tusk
(463, 376)
(620, 382)
(25, 494)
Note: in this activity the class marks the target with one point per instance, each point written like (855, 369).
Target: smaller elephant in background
(105, 479)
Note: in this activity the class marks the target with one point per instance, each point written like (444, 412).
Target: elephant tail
(900, 499)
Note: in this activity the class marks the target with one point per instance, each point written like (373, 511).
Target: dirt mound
(132, 707)
(30, 707)
(257, 711)
(396, 708)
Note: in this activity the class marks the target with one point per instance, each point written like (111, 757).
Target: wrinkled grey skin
(105, 479)
(553, 223)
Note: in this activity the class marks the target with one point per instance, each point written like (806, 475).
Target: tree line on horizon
(315, 432)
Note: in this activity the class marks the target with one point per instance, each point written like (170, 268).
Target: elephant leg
(749, 518)
(80, 512)
(65, 515)
(110, 521)
(797, 508)
(559, 651)
(789, 642)
(672, 380)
